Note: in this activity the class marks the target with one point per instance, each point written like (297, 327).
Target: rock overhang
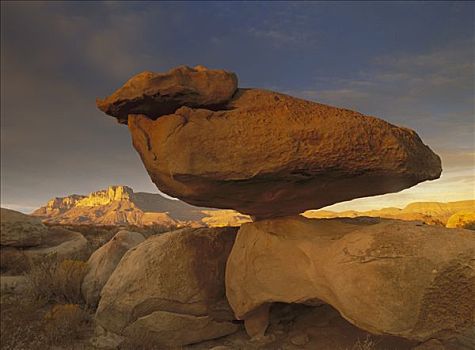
(268, 154)
(157, 94)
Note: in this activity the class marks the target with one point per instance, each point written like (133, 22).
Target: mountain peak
(104, 197)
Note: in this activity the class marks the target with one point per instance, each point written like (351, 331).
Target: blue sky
(411, 63)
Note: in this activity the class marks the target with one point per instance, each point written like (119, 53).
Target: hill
(431, 213)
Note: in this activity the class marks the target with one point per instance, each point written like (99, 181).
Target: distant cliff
(119, 205)
(431, 213)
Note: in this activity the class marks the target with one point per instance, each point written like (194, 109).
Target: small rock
(300, 339)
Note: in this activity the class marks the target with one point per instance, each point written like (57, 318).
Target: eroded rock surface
(273, 155)
(384, 276)
(178, 274)
(25, 238)
(63, 243)
(157, 94)
(103, 262)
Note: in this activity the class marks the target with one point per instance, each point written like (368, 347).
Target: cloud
(105, 38)
(283, 37)
(431, 92)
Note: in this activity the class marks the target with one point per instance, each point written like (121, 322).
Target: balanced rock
(384, 276)
(103, 262)
(263, 153)
(274, 155)
(20, 230)
(156, 94)
(177, 276)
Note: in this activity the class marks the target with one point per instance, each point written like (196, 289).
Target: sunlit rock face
(268, 155)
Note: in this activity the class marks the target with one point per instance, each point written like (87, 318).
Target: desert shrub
(143, 342)
(52, 280)
(64, 323)
(13, 261)
(367, 344)
(469, 225)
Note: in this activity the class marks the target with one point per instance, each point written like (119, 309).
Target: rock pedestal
(384, 276)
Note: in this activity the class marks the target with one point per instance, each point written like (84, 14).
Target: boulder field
(273, 156)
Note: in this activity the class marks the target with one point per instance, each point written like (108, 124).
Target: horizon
(339, 207)
(411, 64)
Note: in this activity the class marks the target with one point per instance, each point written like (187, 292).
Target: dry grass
(52, 280)
(65, 323)
(367, 344)
(13, 261)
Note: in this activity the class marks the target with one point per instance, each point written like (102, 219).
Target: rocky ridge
(118, 205)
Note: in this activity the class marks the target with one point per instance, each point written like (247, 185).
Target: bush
(367, 344)
(13, 261)
(64, 323)
(51, 280)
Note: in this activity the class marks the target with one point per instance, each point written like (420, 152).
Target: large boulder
(156, 94)
(384, 276)
(103, 262)
(63, 243)
(25, 238)
(267, 155)
(178, 277)
(20, 230)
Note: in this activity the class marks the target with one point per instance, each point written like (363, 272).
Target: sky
(410, 63)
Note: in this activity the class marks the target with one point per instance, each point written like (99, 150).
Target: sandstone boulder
(177, 276)
(157, 94)
(24, 237)
(103, 262)
(65, 244)
(384, 276)
(20, 230)
(267, 155)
